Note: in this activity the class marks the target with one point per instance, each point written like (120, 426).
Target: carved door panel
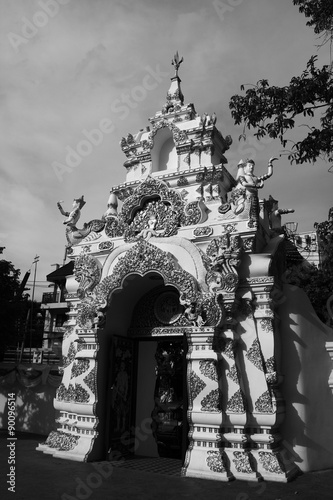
(169, 413)
(121, 401)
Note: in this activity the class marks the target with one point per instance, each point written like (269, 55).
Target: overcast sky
(66, 69)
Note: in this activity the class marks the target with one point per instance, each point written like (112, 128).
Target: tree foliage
(19, 318)
(273, 110)
(10, 307)
(317, 282)
(9, 280)
(320, 13)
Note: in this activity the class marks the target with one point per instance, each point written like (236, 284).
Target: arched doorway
(147, 394)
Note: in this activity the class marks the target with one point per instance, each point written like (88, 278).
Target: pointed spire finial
(174, 96)
(176, 62)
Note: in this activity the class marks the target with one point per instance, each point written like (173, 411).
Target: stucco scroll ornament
(88, 312)
(73, 234)
(204, 310)
(87, 271)
(194, 314)
(149, 190)
(225, 256)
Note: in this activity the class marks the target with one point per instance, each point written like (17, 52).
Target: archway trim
(175, 243)
(144, 258)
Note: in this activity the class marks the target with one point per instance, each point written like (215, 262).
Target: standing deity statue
(249, 184)
(248, 180)
(245, 193)
(74, 215)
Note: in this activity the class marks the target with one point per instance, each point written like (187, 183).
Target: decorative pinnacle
(176, 62)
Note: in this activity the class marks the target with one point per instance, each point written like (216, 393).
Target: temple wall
(306, 367)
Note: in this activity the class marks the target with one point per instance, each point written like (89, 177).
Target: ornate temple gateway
(181, 339)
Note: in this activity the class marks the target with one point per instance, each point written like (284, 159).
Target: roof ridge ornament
(175, 97)
(176, 62)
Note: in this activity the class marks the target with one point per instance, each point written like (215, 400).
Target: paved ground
(42, 477)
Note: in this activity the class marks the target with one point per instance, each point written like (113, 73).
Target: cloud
(66, 77)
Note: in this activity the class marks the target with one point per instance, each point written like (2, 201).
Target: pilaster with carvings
(205, 457)
(233, 431)
(267, 407)
(224, 256)
(76, 397)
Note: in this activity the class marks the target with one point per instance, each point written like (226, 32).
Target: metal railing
(44, 357)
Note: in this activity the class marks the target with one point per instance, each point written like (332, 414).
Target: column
(205, 457)
(268, 406)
